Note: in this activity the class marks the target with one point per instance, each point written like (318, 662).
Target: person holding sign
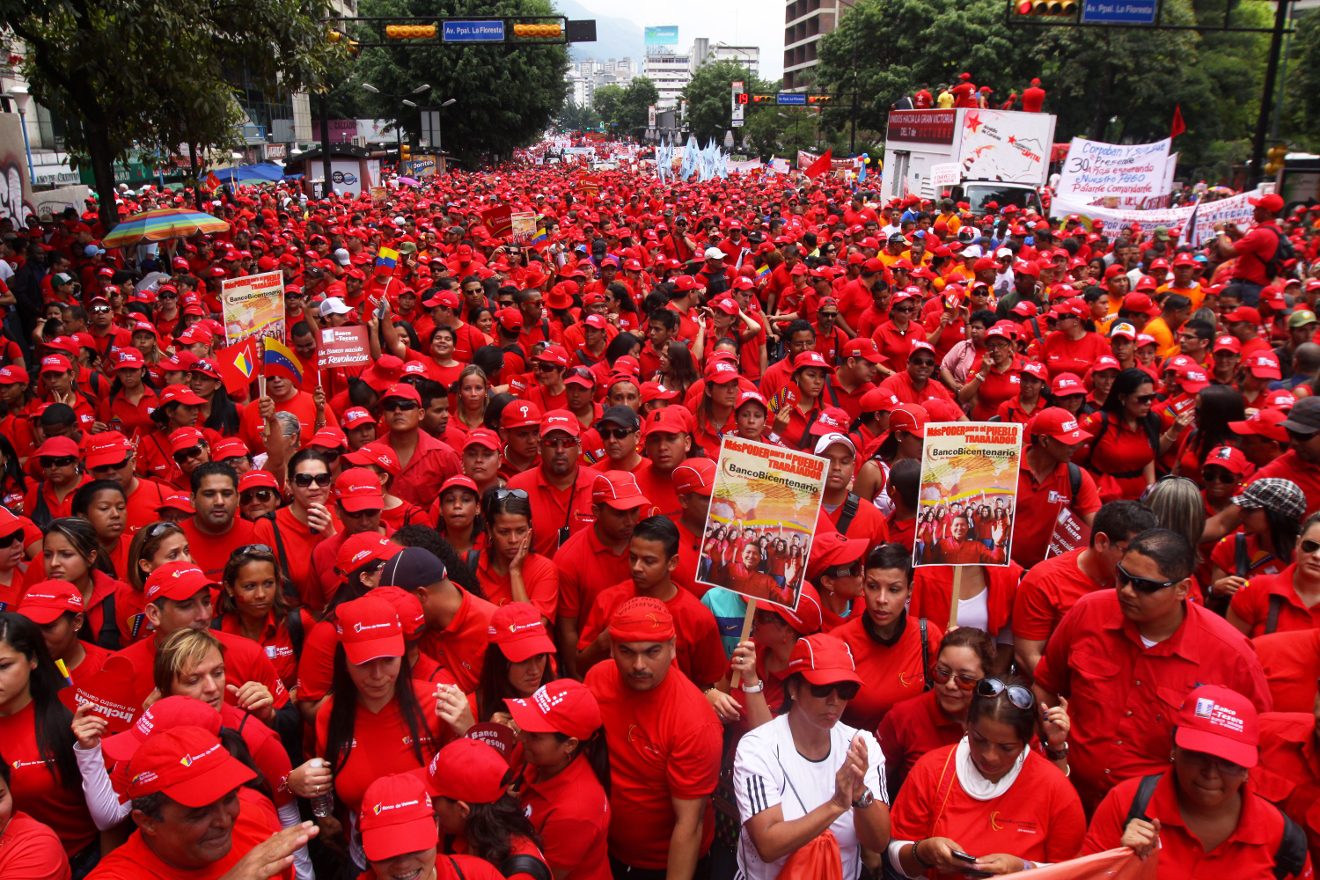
(1049, 484)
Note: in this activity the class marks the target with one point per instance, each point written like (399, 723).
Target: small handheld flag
(387, 257)
(279, 360)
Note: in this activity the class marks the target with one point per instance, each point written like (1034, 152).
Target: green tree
(506, 94)
(709, 97)
(608, 102)
(1301, 113)
(150, 73)
(576, 117)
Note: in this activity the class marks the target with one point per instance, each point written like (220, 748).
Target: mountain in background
(615, 37)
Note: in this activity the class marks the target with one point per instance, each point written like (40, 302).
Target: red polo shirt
(1252, 603)
(1292, 665)
(896, 344)
(36, 787)
(571, 813)
(245, 661)
(144, 503)
(298, 543)
(275, 642)
(1047, 593)
(586, 567)
(461, 646)
(540, 579)
(1248, 851)
(900, 385)
(431, 464)
(32, 850)
(1124, 697)
(1289, 466)
(664, 743)
(699, 652)
(689, 554)
(1063, 355)
(659, 490)
(1288, 774)
(890, 673)
(911, 729)
(1039, 505)
(211, 552)
(554, 509)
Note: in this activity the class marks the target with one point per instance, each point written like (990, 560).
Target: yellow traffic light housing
(410, 31)
(548, 31)
(405, 153)
(1274, 159)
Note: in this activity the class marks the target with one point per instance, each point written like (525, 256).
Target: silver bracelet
(753, 688)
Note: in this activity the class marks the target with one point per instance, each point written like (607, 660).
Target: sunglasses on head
(846, 690)
(1019, 696)
(397, 405)
(263, 495)
(1142, 585)
(614, 433)
(249, 549)
(303, 481)
(187, 454)
(941, 674)
(58, 461)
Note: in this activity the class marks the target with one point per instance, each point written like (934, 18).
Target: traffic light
(405, 153)
(410, 31)
(546, 31)
(1047, 8)
(763, 99)
(818, 99)
(1274, 159)
(741, 97)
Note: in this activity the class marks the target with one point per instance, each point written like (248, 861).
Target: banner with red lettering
(1112, 864)
(344, 347)
(969, 477)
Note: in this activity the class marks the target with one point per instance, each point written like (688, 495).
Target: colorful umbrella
(162, 225)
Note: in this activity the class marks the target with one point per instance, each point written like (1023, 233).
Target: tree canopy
(623, 109)
(709, 97)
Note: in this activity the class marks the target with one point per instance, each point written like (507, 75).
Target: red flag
(1178, 126)
(820, 166)
(238, 365)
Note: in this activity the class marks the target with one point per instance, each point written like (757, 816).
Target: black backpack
(1284, 253)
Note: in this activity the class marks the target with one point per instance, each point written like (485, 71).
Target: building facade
(805, 23)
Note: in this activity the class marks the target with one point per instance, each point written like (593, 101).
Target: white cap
(1003, 252)
(714, 253)
(973, 250)
(830, 439)
(342, 257)
(333, 305)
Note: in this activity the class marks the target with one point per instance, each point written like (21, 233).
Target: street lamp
(19, 95)
(398, 123)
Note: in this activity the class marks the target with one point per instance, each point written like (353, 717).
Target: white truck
(976, 155)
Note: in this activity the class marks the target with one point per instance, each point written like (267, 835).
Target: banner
(1112, 864)
(109, 691)
(945, 175)
(497, 220)
(344, 347)
(253, 306)
(763, 510)
(1196, 221)
(522, 226)
(968, 501)
(1069, 534)
(1114, 175)
(1005, 146)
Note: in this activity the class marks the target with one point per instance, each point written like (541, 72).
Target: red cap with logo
(563, 706)
(520, 414)
(561, 420)
(822, 659)
(369, 629)
(46, 601)
(188, 765)
(362, 548)
(519, 631)
(177, 581)
(107, 448)
(694, 475)
(1058, 423)
(358, 489)
(1221, 722)
(165, 714)
(397, 817)
(1231, 459)
(619, 490)
(1266, 423)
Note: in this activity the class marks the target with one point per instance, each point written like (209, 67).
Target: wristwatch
(753, 688)
(1055, 754)
(864, 801)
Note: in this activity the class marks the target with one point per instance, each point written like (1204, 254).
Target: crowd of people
(448, 614)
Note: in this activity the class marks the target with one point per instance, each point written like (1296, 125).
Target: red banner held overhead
(498, 220)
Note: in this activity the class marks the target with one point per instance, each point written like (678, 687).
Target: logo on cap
(188, 760)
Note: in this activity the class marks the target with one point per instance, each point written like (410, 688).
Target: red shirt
(699, 652)
(37, 789)
(299, 543)
(275, 642)
(586, 567)
(572, 815)
(554, 509)
(1047, 593)
(1039, 505)
(135, 860)
(1254, 250)
(1292, 665)
(1252, 603)
(31, 849)
(1039, 817)
(900, 385)
(1118, 455)
(896, 344)
(431, 464)
(1248, 851)
(245, 661)
(868, 523)
(211, 552)
(891, 673)
(932, 592)
(1288, 467)
(1097, 660)
(664, 743)
(911, 729)
(1063, 355)
(658, 489)
(997, 389)
(301, 405)
(461, 646)
(1288, 774)
(540, 579)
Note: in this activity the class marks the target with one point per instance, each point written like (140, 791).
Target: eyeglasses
(304, 481)
(1019, 696)
(1140, 584)
(1309, 547)
(10, 540)
(262, 495)
(614, 433)
(399, 406)
(941, 675)
(187, 454)
(108, 468)
(829, 314)
(167, 296)
(1222, 766)
(501, 494)
(560, 443)
(61, 461)
(546, 368)
(840, 571)
(921, 362)
(1144, 398)
(846, 690)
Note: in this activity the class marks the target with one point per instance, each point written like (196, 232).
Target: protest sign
(1197, 222)
(945, 175)
(497, 221)
(344, 347)
(1069, 533)
(1112, 864)
(253, 306)
(379, 194)
(761, 492)
(968, 500)
(1115, 175)
(522, 226)
(110, 693)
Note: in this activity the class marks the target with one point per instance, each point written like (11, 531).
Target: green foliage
(1301, 109)
(150, 74)
(709, 97)
(575, 117)
(624, 109)
(1102, 83)
(506, 95)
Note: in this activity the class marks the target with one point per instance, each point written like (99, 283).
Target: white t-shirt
(763, 768)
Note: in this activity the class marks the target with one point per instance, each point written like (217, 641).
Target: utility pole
(1281, 12)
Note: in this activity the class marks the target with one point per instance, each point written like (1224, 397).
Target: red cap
(642, 619)
(46, 601)
(863, 347)
(832, 419)
(1221, 722)
(670, 420)
(188, 765)
(329, 438)
(397, 817)
(165, 714)
(1280, 398)
(1066, 384)
(178, 581)
(1272, 202)
(1227, 343)
(909, 417)
(554, 354)
(563, 706)
(256, 479)
(179, 502)
(807, 618)
(878, 400)
(519, 631)
(831, 549)
(822, 659)
(484, 437)
(650, 391)
(520, 414)
(13, 375)
(107, 448)
(459, 481)
(55, 363)
(750, 396)
(470, 771)
(1243, 313)
(369, 629)
(179, 394)
(1057, 422)
(405, 604)
(185, 438)
(227, 448)
(560, 420)
(1036, 370)
(721, 372)
(619, 490)
(812, 358)
(355, 417)
(378, 453)
(358, 489)
(1192, 378)
(128, 359)
(362, 548)
(1231, 459)
(1263, 365)
(402, 391)
(1266, 423)
(694, 475)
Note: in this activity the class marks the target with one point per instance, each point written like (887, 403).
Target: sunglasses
(250, 549)
(1019, 696)
(167, 296)
(10, 540)
(100, 310)
(941, 675)
(1309, 547)
(399, 406)
(303, 481)
(614, 433)
(921, 362)
(546, 368)
(501, 494)
(59, 461)
(1222, 766)
(1217, 475)
(108, 468)
(1142, 585)
(262, 495)
(829, 314)
(846, 690)
(1144, 398)
(187, 454)
(839, 571)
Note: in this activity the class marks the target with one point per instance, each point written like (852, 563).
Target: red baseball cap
(1192, 378)
(831, 549)
(329, 438)
(1227, 343)
(1230, 458)
(397, 817)
(179, 502)
(188, 765)
(256, 479)
(560, 420)
(1266, 423)
(519, 631)
(378, 453)
(402, 391)
(369, 629)
(863, 347)
(1221, 722)
(1067, 384)
(521, 414)
(128, 359)
(619, 490)
(228, 448)
(408, 606)
(362, 548)
(107, 448)
(55, 363)
(721, 372)
(807, 618)
(469, 771)
(812, 358)
(553, 354)
(909, 417)
(1057, 422)
(563, 706)
(1263, 365)
(165, 714)
(1242, 313)
(694, 475)
(823, 659)
(670, 420)
(459, 481)
(179, 394)
(185, 438)
(358, 489)
(484, 437)
(178, 581)
(46, 601)
(750, 396)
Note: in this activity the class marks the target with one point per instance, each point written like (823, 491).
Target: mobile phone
(964, 857)
(971, 860)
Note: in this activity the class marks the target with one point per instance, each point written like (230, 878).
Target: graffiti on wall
(15, 193)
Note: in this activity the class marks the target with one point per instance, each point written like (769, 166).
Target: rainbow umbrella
(162, 224)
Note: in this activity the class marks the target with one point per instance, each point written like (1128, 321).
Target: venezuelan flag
(279, 360)
(387, 257)
(762, 272)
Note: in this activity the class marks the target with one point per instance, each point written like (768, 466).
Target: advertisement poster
(1115, 175)
(344, 347)
(1007, 146)
(763, 510)
(945, 176)
(253, 306)
(522, 225)
(969, 478)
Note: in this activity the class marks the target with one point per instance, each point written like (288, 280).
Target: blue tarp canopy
(261, 172)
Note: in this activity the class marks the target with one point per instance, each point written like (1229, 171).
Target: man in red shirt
(427, 462)
(852, 516)
(1125, 659)
(215, 530)
(520, 430)
(668, 440)
(359, 503)
(1252, 250)
(194, 819)
(914, 384)
(1051, 588)
(560, 488)
(667, 760)
(111, 457)
(1045, 484)
(856, 374)
(693, 480)
(1244, 324)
